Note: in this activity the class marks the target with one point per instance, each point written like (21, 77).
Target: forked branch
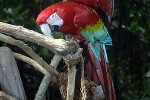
(29, 51)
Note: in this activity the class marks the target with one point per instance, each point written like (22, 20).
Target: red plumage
(98, 71)
(76, 17)
(106, 5)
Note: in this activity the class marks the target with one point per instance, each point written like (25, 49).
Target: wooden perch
(10, 80)
(47, 79)
(83, 88)
(58, 46)
(71, 61)
(30, 52)
(4, 96)
(31, 62)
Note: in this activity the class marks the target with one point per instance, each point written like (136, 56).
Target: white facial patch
(46, 29)
(54, 19)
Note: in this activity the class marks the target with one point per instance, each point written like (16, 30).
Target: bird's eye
(56, 28)
(53, 28)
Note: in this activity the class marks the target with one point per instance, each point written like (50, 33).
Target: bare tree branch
(71, 82)
(83, 88)
(58, 46)
(31, 62)
(30, 52)
(71, 61)
(47, 79)
(4, 96)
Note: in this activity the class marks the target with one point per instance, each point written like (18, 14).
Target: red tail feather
(98, 72)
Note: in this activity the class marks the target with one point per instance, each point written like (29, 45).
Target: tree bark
(58, 46)
(71, 60)
(31, 62)
(9, 75)
(47, 79)
(4, 96)
(30, 52)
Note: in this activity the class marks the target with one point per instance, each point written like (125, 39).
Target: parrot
(83, 23)
(106, 6)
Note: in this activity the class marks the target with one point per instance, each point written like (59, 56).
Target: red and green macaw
(106, 5)
(83, 23)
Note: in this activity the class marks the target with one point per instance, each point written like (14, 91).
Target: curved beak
(46, 29)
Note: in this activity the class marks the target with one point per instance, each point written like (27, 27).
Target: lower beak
(46, 30)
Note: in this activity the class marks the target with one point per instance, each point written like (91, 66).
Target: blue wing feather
(96, 49)
(96, 37)
(105, 53)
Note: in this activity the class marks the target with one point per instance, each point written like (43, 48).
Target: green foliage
(130, 30)
(129, 55)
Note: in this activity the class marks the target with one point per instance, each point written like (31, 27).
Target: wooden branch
(43, 87)
(71, 82)
(71, 61)
(30, 52)
(30, 61)
(4, 96)
(58, 46)
(83, 88)
(10, 80)
(47, 79)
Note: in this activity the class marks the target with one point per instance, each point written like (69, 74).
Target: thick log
(10, 80)
(58, 46)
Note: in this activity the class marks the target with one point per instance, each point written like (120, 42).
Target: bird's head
(49, 21)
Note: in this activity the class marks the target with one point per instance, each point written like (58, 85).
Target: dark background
(129, 56)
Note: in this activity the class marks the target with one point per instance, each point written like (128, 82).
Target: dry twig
(30, 61)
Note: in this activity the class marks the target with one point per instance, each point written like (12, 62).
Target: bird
(83, 23)
(104, 7)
